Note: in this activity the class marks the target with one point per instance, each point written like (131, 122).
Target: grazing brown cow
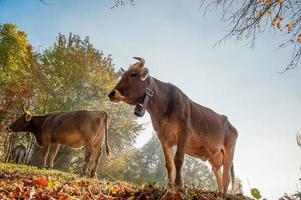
(18, 154)
(195, 130)
(80, 128)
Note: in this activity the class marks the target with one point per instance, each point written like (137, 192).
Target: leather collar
(149, 92)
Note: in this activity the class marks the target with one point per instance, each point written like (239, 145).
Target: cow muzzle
(116, 96)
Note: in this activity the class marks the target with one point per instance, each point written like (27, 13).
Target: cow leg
(219, 178)
(96, 153)
(19, 158)
(16, 158)
(52, 154)
(169, 164)
(216, 163)
(96, 157)
(45, 156)
(228, 158)
(23, 157)
(183, 138)
(228, 161)
(226, 176)
(178, 160)
(88, 155)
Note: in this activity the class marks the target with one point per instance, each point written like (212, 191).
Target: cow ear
(27, 117)
(144, 74)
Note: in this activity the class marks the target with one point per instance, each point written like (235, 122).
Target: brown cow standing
(80, 128)
(195, 130)
(18, 154)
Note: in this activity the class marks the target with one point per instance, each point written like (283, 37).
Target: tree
(17, 62)
(69, 75)
(249, 19)
(72, 74)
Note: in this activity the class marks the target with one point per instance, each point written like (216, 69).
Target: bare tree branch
(249, 19)
(121, 3)
(45, 3)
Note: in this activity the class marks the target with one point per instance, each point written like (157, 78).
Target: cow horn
(24, 109)
(28, 115)
(141, 60)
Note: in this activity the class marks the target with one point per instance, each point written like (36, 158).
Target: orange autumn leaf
(260, 12)
(279, 18)
(289, 27)
(41, 182)
(116, 190)
(65, 197)
(273, 22)
(267, 13)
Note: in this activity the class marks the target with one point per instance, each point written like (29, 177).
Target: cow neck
(158, 104)
(149, 93)
(36, 124)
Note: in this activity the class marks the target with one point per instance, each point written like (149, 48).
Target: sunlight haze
(177, 42)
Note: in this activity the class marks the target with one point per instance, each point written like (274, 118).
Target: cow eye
(133, 74)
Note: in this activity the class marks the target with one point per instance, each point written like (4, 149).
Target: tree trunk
(5, 146)
(29, 148)
(11, 141)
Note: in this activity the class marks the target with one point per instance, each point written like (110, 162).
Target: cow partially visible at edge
(18, 154)
(195, 130)
(76, 129)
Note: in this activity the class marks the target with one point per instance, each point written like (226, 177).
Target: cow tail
(232, 176)
(107, 122)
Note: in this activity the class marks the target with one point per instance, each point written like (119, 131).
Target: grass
(26, 182)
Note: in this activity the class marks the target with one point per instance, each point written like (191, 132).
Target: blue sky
(177, 43)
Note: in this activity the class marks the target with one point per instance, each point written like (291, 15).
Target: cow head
(132, 86)
(22, 123)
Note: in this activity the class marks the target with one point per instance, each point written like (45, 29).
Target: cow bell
(139, 110)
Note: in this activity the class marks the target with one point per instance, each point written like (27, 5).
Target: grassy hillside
(25, 182)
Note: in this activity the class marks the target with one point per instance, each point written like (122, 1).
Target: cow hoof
(173, 195)
(170, 187)
(93, 176)
(179, 189)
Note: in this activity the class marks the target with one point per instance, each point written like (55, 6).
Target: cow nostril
(112, 94)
